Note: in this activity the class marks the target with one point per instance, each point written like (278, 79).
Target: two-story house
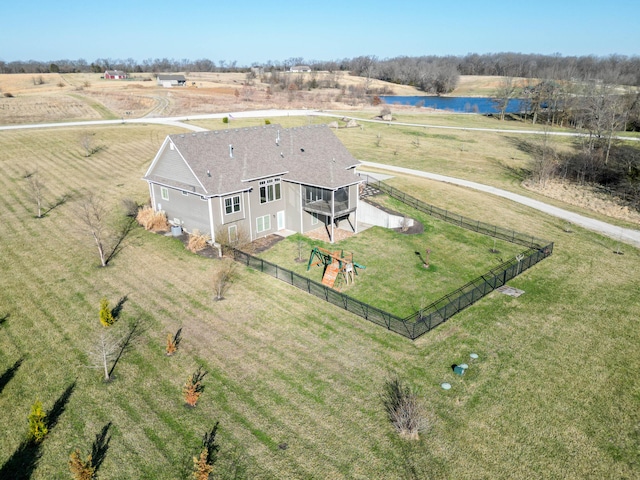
(258, 180)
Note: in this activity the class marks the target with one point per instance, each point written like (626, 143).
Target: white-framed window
(270, 190)
(263, 223)
(233, 234)
(232, 204)
(164, 193)
(314, 219)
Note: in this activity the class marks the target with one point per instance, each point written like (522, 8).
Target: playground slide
(330, 274)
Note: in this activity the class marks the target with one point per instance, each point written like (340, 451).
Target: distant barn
(300, 68)
(115, 75)
(168, 81)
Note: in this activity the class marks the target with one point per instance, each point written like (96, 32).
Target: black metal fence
(464, 222)
(424, 320)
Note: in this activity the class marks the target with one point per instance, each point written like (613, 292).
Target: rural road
(626, 235)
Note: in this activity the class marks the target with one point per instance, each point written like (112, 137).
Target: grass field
(554, 393)
(394, 279)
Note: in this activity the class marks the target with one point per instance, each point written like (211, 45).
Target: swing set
(336, 265)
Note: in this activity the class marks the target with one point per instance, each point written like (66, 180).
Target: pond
(483, 105)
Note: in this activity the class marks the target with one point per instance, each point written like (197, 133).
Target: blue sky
(250, 31)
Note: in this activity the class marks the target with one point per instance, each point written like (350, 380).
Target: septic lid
(474, 355)
(446, 386)
(463, 365)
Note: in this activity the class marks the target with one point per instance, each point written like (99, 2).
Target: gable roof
(115, 73)
(168, 78)
(310, 155)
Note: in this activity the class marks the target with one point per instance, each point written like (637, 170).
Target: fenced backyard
(424, 319)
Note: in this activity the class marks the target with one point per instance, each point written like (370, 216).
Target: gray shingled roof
(310, 155)
(178, 78)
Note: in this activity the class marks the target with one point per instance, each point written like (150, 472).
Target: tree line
(429, 72)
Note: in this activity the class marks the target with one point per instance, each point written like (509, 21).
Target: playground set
(337, 265)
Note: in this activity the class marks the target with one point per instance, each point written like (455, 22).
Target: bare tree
(36, 189)
(223, 277)
(504, 93)
(545, 160)
(109, 239)
(87, 141)
(108, 348)
(403, 408)
(104, 351)
(93, 214)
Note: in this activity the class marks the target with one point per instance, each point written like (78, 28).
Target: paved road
(176, 121)
(627, 235)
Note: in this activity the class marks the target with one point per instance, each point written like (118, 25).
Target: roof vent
(278, 139)
(302, 150)
(230, 151)
(208, 173)
(282, 154)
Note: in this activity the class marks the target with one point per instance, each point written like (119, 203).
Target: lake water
(481, 105)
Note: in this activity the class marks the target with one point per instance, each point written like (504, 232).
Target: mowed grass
(394, 279)
(554, 393)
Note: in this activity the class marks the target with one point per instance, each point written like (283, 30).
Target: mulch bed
(265, 243)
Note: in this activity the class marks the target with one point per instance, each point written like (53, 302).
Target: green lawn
(394, 279)
(554, 393)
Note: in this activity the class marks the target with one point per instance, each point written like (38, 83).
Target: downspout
(211, 225)
(301, 208)
(153, 196)
(250, 217)
(333, 211)
(357, 205)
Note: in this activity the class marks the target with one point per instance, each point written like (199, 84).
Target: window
(232, 204)
(270, 190)
(233, 234)
(164, 193)
(263, 223)
(313, 194)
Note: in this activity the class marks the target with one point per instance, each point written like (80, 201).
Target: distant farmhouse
(114, 75)
(300, 68)
(171, 80)
(258, 181)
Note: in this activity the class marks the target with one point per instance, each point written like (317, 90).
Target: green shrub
(267, 121)
(37, 423)
(106, 317)
(225, 119)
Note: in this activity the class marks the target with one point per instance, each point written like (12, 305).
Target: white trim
(268, 217)
(281, 214)
(250, 222)
(211, 225)
(323, 187)
(300, 203)
(159, 154)
(265, 176)
(152, 194)
(235, 228)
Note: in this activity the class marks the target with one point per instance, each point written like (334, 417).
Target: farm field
(295, 382)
